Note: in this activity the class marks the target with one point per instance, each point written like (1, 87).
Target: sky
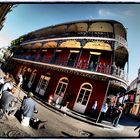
(29, 17)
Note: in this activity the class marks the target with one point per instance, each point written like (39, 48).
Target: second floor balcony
(83, 65)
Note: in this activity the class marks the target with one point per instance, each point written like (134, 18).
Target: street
(65, 126)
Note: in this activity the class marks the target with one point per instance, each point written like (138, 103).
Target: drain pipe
(103, 101)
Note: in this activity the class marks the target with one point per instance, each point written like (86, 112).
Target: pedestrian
(8, 100)
(94, 107)
(117, 116)
(19, 80)
(3, 80)
(57, 102)
(19, 83)
(103, 112)
(8, 85)
(28, 107)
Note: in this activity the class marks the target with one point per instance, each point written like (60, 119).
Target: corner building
(79, 62)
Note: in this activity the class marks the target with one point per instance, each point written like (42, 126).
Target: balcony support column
(113, 58)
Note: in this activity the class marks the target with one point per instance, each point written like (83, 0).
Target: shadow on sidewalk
(18, 115)
(128, 120)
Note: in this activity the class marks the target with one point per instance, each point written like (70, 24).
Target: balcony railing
(73, 34)
(82, 64)
(121, 40)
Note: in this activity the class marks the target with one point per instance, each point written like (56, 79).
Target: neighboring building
(128, 98)
(79, 62)
(133, 96)
(4, 9)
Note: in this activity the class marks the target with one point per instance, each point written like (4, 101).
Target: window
(93, 62)
(56, 56)
(62, 85)
(84, 94)
(72, 59)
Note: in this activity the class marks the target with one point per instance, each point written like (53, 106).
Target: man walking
(103, 112)
(117, 117)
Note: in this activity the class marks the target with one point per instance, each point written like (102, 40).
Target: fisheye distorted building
(80, 62)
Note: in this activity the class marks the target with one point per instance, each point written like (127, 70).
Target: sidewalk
(76, 115)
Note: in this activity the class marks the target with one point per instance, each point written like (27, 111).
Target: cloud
(5, 40)
(122, 13)
(104, 12)
(128, 13)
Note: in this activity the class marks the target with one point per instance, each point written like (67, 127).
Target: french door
(60, 89)
(83, 98)
(72, 59)
(93, 62)
(42, 85)
(31, 80)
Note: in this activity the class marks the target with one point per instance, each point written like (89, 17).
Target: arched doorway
(83, 98)
(60, 89)
(32, 78)
(43, 84)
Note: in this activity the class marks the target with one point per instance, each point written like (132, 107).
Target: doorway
(42, 85)
(93, 61)
(72, 59)
(32, 78)
(60, 89)
(83, 98)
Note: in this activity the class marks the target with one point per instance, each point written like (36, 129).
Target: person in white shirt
(20, 79)
(4, 79)
(7, 85)
(93, 113)
(103, 112)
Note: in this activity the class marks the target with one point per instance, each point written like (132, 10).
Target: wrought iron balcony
(121, 40)
(82, 64)
(92, 35)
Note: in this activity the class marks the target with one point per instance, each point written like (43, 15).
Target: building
(128, 98)
(4, 9)
(78, 62)
(133, 97)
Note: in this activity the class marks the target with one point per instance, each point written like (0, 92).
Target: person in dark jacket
(117, 116)
(28, 107)
(7, 102)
